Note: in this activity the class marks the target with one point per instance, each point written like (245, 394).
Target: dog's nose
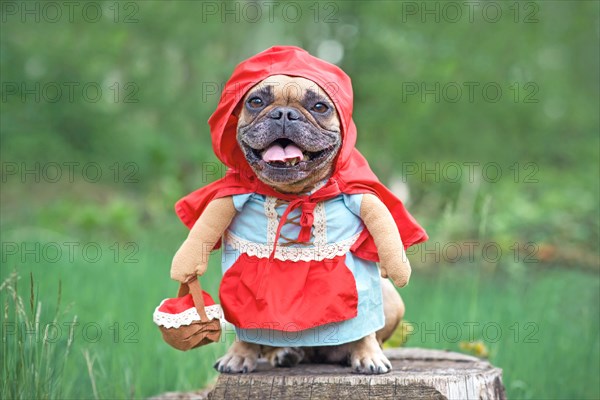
(290, 113)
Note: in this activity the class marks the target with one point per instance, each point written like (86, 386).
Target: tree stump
(416, 374)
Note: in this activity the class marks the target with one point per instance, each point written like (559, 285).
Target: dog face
(289, 131)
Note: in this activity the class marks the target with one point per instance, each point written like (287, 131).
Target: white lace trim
(288, 253)
(186, 317)
(320, 225)
(272, 218)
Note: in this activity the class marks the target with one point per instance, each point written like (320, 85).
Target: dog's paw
(232, 363)
(241, 357)
(370, 363)
(367, 357)
(286, 356)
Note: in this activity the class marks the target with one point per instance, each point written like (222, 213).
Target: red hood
(279, 60)
(352, 174)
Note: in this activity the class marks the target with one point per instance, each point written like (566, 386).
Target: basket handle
(193, 287)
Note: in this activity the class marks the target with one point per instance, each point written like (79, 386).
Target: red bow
(306, 221)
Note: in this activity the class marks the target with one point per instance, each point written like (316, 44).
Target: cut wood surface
(416, 374)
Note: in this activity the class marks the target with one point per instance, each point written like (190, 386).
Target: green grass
(33, 356)
(541, 327)
(117, 352)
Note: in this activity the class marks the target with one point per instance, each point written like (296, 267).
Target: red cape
(352, 172)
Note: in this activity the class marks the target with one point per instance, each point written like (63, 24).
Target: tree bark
(416, 374)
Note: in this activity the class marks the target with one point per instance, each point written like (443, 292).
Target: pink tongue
(278, 153)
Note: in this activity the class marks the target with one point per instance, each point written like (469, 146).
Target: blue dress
(336, 227)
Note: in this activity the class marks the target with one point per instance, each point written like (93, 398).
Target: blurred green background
(483, 117)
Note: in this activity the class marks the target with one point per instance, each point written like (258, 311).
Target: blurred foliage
(160, 67)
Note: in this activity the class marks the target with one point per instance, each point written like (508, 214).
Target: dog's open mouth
(284, 153)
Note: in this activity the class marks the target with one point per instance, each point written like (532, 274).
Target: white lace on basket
(186, 317)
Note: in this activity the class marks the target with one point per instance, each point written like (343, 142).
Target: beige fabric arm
(380, 223)
(192, 257)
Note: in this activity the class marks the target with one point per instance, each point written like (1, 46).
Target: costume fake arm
(380, 223)
(192, 257)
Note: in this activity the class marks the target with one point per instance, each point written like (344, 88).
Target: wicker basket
(190, 320)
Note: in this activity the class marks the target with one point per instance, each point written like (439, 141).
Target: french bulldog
(289, 131)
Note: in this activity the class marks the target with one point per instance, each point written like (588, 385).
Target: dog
(284, 110)
(309, 234)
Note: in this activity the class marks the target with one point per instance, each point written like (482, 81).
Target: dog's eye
(255, 102)
(320, 108)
